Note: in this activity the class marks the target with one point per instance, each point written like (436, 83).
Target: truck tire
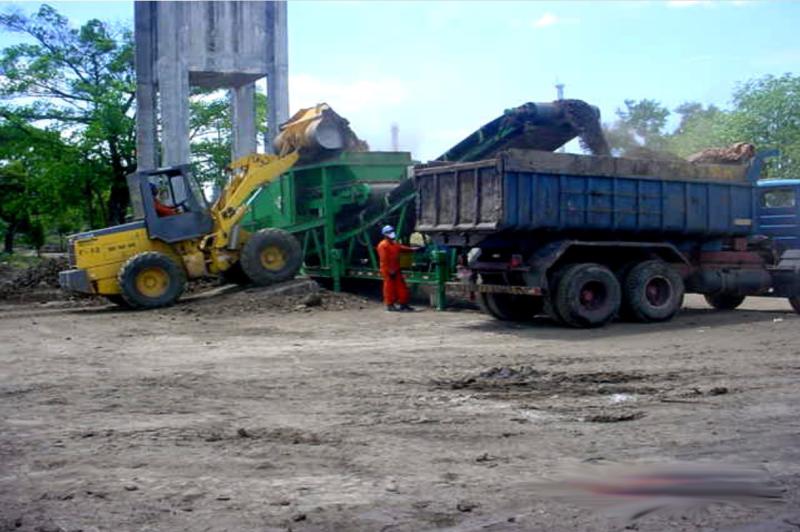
(510, 307)
(271, 256)
(587, 295)
(151, 280)
(652, 291)
(724, 301)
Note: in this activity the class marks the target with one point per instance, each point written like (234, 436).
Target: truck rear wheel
(652, 291)
(271, 256)
(587, 295)
(724, 301)
(151, 280)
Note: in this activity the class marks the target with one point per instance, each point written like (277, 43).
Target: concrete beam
(146, 103)
(277, 70)
(173, 84)
(243, 118)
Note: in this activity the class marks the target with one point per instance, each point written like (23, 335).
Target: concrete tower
(206, 44)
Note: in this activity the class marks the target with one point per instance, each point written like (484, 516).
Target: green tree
(42, 179)
(639, 125)
(699, 128)
(80, 82)
(766, 112)
(210, 133)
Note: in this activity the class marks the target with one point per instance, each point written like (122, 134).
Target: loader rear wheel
(151, 280)
(724, 301)
(271, 256)
(587, 295)
(653, 291)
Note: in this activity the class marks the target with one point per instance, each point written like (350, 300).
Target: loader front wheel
(271, 256)
(151, 280)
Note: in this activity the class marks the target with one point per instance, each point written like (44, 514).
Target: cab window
(779, 198)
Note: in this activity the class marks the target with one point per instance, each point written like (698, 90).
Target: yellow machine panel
(101, 256)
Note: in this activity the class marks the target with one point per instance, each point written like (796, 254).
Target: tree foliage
(80, 83)
(67, 124)
(763, 111)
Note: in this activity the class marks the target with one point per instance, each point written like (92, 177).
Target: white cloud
(551, 19)
(548, 19)
(688, 3)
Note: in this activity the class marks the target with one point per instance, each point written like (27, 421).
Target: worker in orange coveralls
(395, 290)
(161, 209)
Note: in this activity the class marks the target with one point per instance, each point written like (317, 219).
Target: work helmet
(388, 230)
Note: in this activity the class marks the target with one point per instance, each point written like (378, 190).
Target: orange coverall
(164, 210)
(394, 285)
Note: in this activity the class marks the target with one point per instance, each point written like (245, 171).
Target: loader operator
(395, 290)
(161, 210)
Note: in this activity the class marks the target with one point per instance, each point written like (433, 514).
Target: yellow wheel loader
(177, 236)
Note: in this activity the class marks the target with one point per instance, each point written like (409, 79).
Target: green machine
(336, 209)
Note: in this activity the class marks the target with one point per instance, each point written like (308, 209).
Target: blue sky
(441, 69)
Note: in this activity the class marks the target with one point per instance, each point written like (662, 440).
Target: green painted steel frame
(350, 254)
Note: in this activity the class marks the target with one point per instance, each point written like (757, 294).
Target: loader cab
(174, 188)
(779, 211)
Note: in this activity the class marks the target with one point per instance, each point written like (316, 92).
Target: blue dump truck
(585, 239)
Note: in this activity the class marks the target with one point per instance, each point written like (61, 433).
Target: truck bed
(525, 190)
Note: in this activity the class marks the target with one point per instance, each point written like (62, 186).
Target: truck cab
(778, 211)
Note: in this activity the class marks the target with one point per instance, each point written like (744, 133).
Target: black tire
(235, 275)
(271, 256)
(151, 280)
(652, 291)
(118, 300)
(724, 301)
(795, 303)
(587, 295)
(510, 307)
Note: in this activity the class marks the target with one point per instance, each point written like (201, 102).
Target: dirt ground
(340, 416)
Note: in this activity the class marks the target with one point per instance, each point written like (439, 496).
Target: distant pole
(395, 137)
(560, 96)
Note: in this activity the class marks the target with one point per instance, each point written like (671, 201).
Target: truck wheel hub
(657, 291)
(592, 295)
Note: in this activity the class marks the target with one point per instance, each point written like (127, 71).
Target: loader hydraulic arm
(247, 175)
(312, 133)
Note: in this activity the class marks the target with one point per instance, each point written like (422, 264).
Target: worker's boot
(406, 308)
(391, 308)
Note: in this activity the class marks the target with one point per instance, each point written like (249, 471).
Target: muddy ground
(231, 415)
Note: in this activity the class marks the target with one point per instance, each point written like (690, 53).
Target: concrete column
(173, 84)
(243, 118)
(278, 70)
(146, 134)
